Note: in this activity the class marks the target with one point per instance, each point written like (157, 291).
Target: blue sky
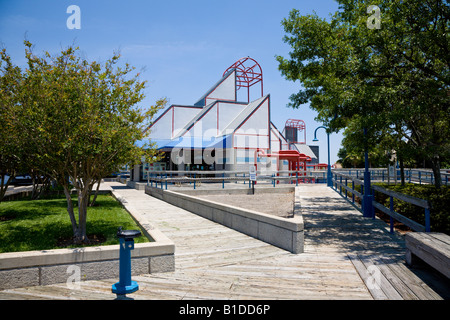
(183, 47)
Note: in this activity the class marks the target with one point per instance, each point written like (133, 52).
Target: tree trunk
(402, 170)
(35, 186)
(83, 202)
(3, 186)
(92, 203)
(436, 167)
(79, 229)
(45, 186)
(70, 209)
(40, 186)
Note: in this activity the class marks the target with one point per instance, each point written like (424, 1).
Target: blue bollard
(125, 285)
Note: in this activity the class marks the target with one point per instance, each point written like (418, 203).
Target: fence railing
(341, 181)
(420, 176)
(394, 215)
(162, 179)
(349, 186)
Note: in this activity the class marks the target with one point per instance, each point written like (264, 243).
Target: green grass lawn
(45, 224)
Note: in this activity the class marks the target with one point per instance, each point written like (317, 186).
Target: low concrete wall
(286, 233)
(44, 267)
(136, 185)
(259, 190)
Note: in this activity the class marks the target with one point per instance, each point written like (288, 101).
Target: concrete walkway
(215, 262)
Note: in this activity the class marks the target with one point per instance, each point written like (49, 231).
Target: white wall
(224, 91)
(162, 128)
(254, 132)
(181, 116)
(227, 112)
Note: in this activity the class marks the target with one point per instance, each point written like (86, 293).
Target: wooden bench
(431, 247)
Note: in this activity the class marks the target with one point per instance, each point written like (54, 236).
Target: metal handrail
(338, 181)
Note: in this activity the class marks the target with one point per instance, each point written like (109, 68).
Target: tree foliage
(10, 139)
(81, 122)
(393, 80)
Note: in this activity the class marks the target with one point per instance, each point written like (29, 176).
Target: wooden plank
(377, 294)
(356, 193)
(441, 236)
(384, 277)
(435, 241)
(413, 200)
(414, 283)
(425, 241)
(396, 282)
(13, 295)
(357, 181)
(430, 251)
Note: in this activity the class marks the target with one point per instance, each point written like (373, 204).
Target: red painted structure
(297, 160)
(319, 166)
(297, 126)
(248, 73)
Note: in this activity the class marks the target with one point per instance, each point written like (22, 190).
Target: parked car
(23, 180)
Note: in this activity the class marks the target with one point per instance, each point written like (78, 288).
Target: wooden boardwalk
(214, 262)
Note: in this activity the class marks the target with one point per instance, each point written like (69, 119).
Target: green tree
(83, 119)
(10, 138)
(352, 151)
(393, 80)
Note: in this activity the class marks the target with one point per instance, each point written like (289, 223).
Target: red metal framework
(293, 127)
(248, 73)
(297, 161)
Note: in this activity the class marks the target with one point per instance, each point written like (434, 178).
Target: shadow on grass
(42, 224)
(36, 209)
(33, 237)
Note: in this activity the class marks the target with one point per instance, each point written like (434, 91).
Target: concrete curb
(286, 233)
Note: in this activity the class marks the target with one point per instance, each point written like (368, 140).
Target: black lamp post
(329, 177)
(367, 205)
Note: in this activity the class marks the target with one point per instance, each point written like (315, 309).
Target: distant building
(295, 133)
(218, 132)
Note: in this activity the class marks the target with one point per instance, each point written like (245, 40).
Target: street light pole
(329, 176)
(367, 197)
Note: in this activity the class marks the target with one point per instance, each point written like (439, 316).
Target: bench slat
(437, 243)
(442, 237)
(431, 249)
(431, 239)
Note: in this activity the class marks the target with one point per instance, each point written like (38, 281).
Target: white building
(218, 132)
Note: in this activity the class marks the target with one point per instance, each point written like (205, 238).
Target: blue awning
(158, 143)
